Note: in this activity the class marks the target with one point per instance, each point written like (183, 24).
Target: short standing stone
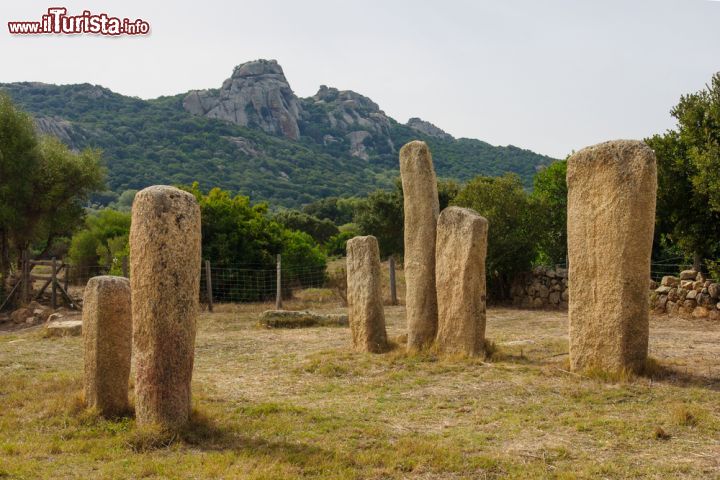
(165, 282)
(421, 210)
(65, 327)
(107, 336)
(611, 218)
(460, 269)
(364, 295)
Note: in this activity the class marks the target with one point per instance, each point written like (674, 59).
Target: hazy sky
(549, 75)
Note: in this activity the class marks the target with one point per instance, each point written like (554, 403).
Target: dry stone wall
(689, 295)
(543, 288)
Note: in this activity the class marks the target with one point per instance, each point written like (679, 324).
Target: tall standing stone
(421, 209)
(165, 279)
(107, 338)
(364, 294)
(460, 280)
(611, 217)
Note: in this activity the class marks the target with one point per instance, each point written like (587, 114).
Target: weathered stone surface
(107, 337)
(300, 319)
(611, 218)
(688, 275)
(63, 328)
(703, 299)
(673, 294)
(663, 290)
(700, 312)
(661, 303)
(364, 294)
(691, 295)
(460, 281)
(714, 290)
(258, 94)
(714, 315)
(421, 209)
(427, 128)
(352, 115)
(670, 281)
(687, 284)
(165, 283)
(554, 298)
(671, 307)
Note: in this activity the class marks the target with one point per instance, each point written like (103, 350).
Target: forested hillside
(155, 141)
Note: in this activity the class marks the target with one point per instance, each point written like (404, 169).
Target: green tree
(698, 116)
(237, 233)
(338, 210)
(550, 198)
(319, 230)
(683, 218)
(513, 227)
(43, 186)
(337, 244)
(19, 159)
(381, 214)
(101, 245)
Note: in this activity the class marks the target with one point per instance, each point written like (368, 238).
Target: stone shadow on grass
(204, 433)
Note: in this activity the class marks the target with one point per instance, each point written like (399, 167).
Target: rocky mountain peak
(258, 67)
(256, 95)
(427, 128)
(353, 118)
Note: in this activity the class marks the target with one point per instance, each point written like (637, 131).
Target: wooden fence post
(393, 290)
(278, 283)
(208, 284)
(66, 278)
(125, 267)
(25, 293)
(53, 294)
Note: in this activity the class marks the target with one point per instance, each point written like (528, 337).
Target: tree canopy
(43, 185)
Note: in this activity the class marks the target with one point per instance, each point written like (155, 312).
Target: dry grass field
(299, 404)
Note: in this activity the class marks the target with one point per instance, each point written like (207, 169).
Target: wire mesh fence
(253, 284)
(228, 283)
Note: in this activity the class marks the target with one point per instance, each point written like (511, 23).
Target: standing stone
(421, 210)
(107, 337)
(364, 294)
(165, 281)
(460, 269)
(611, 217)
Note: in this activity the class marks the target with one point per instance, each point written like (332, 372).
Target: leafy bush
(337, 244)
(319, 230)
(101, 245)
(241, 240)
(550, 197)
(513, 228)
